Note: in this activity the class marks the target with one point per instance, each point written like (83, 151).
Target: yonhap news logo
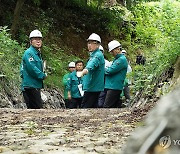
(166, 142)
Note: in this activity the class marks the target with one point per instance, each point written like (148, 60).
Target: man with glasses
(93, 81)
(32, 73)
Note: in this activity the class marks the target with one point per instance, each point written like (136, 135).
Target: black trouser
(67, 103)
(32, 98)
(101, 98)
(112, 98)
(90, 99)
(75, 103)
(126, 91)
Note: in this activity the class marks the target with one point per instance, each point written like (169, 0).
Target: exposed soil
(67, 131)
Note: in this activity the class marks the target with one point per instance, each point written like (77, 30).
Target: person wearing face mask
(115, 75)
(32, 72)
(93, 81)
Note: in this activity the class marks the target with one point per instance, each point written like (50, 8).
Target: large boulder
(161, 132)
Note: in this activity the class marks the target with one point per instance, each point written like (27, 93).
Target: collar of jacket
(35, 50)
(118, 55)
(94, 52)
(74, 72)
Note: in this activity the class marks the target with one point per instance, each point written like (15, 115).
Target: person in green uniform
(115, 75)
(102, 94)
(74, 84)
(71, 68)
(127, 82)
(32, 72)
(93, 82)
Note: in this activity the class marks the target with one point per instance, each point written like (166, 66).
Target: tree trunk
(17, 11)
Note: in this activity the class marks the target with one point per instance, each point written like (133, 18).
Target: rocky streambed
(67, 131)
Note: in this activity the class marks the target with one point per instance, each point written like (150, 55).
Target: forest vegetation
(152, 26)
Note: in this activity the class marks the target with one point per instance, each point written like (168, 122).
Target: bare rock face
(4, 102)
(10, 94)
(52, 99)
(11, 98)
(161, 133)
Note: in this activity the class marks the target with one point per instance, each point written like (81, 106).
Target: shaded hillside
(65, 24)
(152, 27)
(65, 28)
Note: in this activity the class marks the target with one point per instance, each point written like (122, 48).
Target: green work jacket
(116, 73)
(94, 80)
(65, 80)
(72, 85)
(32, 69)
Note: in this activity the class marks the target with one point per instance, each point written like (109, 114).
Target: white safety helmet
(94, 37)
(35, 33)
(113, 44)
(101, 48)
(123, 52)
(71, 64)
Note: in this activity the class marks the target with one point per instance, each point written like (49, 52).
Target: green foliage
(158, 28)
(146, 30)
(30, 127)
(155, 28)
(37, 2)
(57, 64)
(87, 18)
(10, 56)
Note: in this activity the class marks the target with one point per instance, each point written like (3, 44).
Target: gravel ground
(80, 131)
